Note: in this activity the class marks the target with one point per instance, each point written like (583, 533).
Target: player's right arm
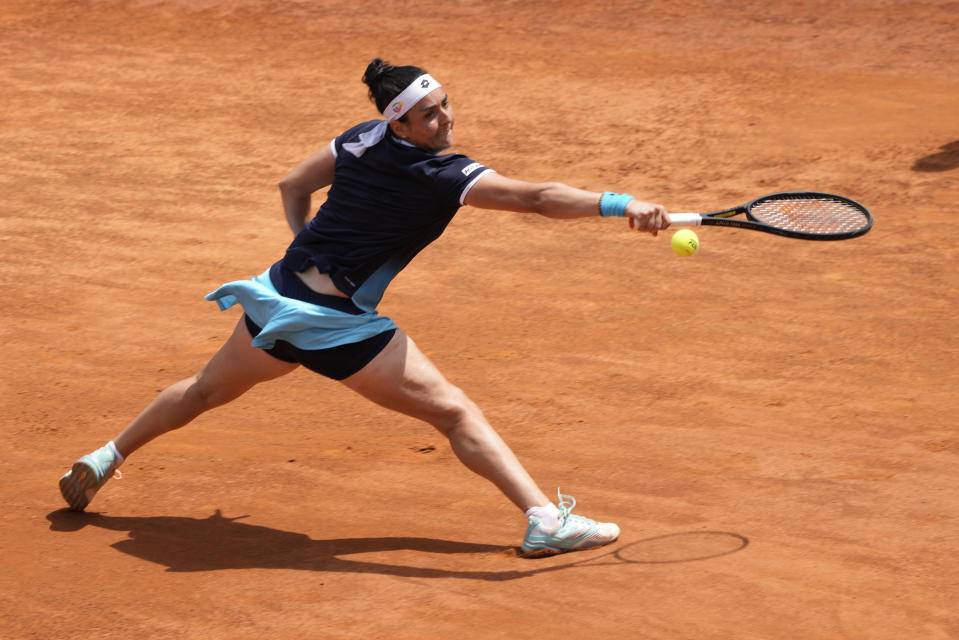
(556, 200)
(297, 187)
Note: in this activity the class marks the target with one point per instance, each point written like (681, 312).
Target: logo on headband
(425, 83)
(397, 107)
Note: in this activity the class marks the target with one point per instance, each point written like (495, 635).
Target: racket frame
(724, 217)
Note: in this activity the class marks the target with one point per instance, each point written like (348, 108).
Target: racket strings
(810, 215)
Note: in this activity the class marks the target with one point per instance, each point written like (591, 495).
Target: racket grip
(685, 219)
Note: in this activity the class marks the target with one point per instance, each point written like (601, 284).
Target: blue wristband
(614, 204)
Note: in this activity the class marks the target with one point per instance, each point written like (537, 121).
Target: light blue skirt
(304, 325)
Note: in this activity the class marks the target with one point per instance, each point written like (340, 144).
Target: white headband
(412, 94)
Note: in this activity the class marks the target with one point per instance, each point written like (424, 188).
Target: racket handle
(685, 219)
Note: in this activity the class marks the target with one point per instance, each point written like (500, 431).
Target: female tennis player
(392, 192)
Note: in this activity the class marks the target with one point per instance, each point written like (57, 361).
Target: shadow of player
(217, 542)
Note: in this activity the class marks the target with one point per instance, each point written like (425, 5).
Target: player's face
(429, 124)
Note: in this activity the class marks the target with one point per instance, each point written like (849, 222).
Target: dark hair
(387, 81)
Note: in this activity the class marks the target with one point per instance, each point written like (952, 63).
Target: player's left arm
(556, 200)
(297, 187)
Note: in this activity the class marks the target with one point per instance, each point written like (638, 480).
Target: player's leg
(403, 379)
(233, 370)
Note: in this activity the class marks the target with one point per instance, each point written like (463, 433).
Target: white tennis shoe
(574, 533)
(89, 473)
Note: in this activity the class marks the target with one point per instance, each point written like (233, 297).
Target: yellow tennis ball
(685, 243)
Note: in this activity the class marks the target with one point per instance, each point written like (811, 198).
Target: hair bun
(375, 71)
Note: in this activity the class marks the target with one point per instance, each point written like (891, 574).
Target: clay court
(772, 422)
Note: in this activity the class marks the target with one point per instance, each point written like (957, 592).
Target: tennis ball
(685, 243)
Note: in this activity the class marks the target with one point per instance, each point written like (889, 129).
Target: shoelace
(566, 504)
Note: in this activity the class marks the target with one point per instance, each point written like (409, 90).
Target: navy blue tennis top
(388, 201)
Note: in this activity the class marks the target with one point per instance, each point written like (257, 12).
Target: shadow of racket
(671, 548)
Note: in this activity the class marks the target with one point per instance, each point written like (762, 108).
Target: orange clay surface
(772, 422)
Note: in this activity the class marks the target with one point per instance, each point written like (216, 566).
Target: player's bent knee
(208, 394)
(453, 410)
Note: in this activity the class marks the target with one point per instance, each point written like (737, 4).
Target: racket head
(810, 215)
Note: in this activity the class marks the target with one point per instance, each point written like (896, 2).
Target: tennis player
(392, 192)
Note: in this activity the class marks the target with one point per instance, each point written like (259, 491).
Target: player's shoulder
(357, 130)
(453, 163)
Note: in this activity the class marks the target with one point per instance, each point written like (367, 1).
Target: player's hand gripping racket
(807, 215)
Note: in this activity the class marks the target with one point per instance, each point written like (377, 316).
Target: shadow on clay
(945, 159)
(216, 543)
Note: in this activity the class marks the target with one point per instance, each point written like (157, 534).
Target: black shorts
(336, 362)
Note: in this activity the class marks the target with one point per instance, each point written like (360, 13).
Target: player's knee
(454, 409)
(207, 393)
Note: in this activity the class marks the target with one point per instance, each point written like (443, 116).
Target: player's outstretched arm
(557, 200)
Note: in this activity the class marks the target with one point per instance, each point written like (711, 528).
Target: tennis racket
(808, 215)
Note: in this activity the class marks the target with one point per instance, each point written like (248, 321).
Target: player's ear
(400, 130)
